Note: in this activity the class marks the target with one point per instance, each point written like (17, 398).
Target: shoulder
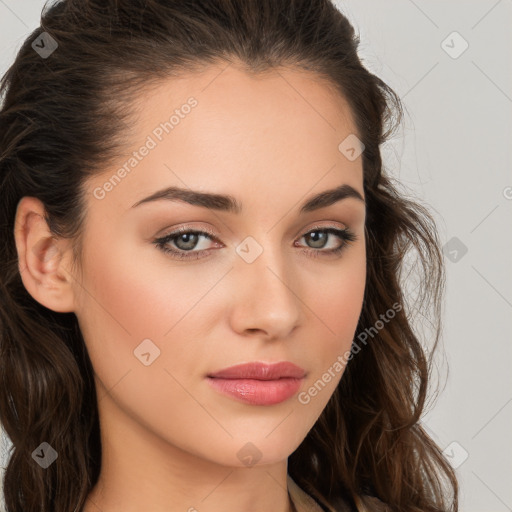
(373, 504)
(364, 503)
(303, 502)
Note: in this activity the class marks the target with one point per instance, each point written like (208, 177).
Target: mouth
(258, 383)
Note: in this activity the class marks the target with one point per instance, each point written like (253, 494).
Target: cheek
(340, 308)
(145, 297)
(337, 299)
(124, 300)
(139, 296)
(336, 309)
(128, 301)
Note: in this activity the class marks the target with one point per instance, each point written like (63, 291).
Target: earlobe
(42, 258)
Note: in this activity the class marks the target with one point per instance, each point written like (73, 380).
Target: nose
(266, 299)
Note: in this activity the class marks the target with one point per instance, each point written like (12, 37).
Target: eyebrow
(228, 203)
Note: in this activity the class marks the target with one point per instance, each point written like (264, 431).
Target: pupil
(317, 237)
(189, 239)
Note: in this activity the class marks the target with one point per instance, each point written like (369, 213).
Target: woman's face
(263, 286)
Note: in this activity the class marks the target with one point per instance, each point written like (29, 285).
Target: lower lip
(257, 392)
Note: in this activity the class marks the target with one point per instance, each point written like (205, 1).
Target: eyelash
(345, 234)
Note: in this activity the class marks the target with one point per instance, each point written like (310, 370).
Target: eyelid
(188, 229)
(212, 234)
(323, 226)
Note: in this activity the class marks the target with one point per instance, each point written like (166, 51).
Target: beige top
(303, 502)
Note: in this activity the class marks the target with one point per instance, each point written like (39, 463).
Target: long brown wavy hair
(64, 117)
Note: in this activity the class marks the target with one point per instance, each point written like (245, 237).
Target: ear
(42, 258)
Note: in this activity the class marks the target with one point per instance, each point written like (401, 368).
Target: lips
(258, 383)
(261, 371)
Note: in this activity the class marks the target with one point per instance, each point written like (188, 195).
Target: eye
(186, 240)
(318, 236)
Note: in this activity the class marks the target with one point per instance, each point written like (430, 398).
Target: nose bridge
(267, 287)
(263, 259)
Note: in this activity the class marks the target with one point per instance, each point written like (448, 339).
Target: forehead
(230, 93)
(223, 129)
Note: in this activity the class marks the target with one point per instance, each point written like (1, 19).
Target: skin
(168, 438)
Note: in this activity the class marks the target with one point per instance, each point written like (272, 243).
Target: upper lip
(260, 371)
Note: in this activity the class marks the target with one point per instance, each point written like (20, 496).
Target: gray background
(453, 153)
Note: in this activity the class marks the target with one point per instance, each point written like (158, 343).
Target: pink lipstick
(258, 383)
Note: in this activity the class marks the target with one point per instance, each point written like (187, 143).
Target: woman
(201, 298)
